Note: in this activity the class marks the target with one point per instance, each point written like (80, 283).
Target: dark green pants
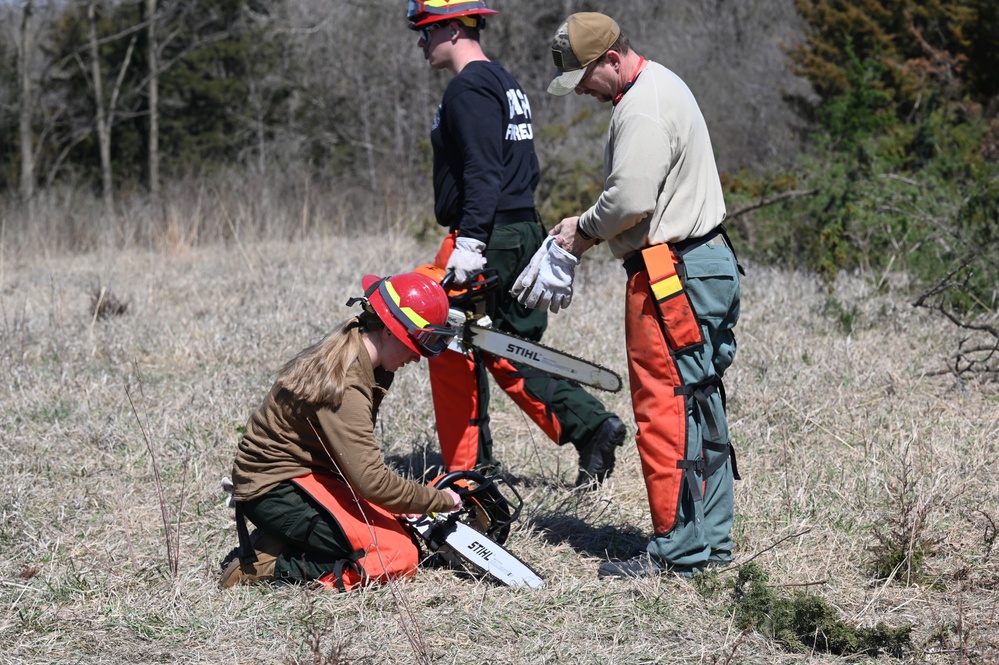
(579, 413)
(313, 540)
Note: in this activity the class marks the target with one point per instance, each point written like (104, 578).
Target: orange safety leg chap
(659, 413)
(456, 408)
(389, 552)
(504, 373)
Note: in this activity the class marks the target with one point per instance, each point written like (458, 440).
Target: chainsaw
(471, 538)
(469, 307)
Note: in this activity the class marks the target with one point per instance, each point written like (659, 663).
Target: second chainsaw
(469, 305)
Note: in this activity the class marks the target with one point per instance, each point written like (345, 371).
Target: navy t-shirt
(483, 140)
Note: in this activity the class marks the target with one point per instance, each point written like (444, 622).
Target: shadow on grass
(422, 464)
(563, 515)
(603, 541)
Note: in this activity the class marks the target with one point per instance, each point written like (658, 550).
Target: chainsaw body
(472, 537)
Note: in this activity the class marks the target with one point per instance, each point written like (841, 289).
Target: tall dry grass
(234, 206)
(847, 440)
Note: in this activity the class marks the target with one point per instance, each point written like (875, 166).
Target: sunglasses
(428, 30)
(592, 67)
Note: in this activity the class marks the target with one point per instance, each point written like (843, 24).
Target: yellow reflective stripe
(410, 313)
(664, 288)
(417, 320)
(448, 4)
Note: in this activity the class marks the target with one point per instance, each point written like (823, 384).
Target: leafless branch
(768, 548)
(172, 537)
(974, 357)
(783, 196)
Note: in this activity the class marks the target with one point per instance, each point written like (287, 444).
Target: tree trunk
(369, 147)
(27, 98)
(154, 100)
(105, 113)
(103, 128)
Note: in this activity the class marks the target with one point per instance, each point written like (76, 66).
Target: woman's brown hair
(318, 374)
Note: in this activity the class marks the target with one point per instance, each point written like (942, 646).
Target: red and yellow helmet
(470, 12)
(413, 307)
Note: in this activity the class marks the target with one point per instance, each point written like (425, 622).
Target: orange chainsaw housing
(453, 292)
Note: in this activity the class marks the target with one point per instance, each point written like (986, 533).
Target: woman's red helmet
(413, 307)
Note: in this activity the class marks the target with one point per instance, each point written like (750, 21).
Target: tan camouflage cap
(581, 39)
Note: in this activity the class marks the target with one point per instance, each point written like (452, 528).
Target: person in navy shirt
(485, 171)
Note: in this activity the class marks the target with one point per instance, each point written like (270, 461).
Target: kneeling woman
(309, 473)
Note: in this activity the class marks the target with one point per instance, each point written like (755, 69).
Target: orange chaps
(383, 549)
(676, 359)
(660, 414)
(458, 383)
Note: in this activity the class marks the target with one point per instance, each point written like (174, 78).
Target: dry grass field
(857, 456)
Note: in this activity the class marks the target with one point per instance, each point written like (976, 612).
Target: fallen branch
(783, 196)
(766, 549)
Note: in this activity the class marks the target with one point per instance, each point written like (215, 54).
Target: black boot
(597, 456)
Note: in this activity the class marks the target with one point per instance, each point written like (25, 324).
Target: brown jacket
(287, 439)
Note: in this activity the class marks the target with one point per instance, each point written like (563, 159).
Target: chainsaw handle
(448, 280)
(485, 485)
(474, 476)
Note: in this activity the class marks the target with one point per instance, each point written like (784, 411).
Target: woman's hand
(457, 499)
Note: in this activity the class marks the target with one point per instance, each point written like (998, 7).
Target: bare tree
(267, 79)
(163, 32)
(105, 113)
(152, 58)
(39, 107)
(25, 51)
(107, 108)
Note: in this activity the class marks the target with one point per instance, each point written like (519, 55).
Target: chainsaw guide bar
(539, 356)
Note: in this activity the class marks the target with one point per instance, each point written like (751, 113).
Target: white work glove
(522, 285)
(466, 259)
(552, 285)
(229, 489)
